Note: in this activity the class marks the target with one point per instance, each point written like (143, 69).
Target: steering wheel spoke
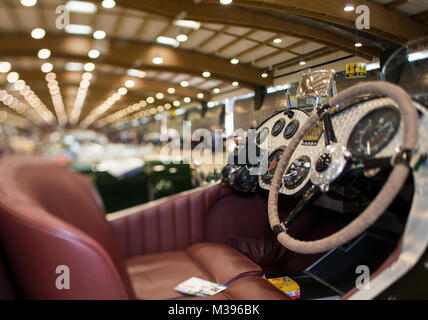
(308, 198)
(362, 165)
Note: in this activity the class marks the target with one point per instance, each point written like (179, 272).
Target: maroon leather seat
(51, 217)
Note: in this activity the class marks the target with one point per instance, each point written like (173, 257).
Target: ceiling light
(167, 41)
(277, 40)
(184, 84)
(5, 67)
(265, 75)
(235, 83)
(28, 3)
(12, 77)
(89, 67)
(349, 6)
(302, 63)
(99, 34)
(47, 67)
(187, 24)
(38, 33)
(87, 76)
(161, 108)
(200, 95)
(157, 60)
(19, 85)
(225, 2)
(206, 74)
(176, 103)
(78, 29)
(150, 100)
(136, 73)
(416, 56)
(171, 90)
(73, 66)
(159, 95)
(122, 91)
(234, 61)
(50, 77)
(216, 90)
(358, 44)
(81, 6)
(108, 4)
(187, 100)
(93, 54)
(167, 106)
(182, 38)
(373, 66)
(129, 83)
(44, 53)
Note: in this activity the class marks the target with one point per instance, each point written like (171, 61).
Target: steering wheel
(334, 162)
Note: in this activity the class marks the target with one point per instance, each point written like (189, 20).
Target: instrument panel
(372, 128)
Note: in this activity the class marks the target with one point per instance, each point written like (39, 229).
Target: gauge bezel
(277, 131)
(351, 146)
(262, 177)
(296, 124)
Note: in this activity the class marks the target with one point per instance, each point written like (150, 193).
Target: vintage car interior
(329, 190)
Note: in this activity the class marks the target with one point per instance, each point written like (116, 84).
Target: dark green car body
(152, 181)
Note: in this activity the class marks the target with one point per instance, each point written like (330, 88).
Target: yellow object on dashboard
(286, 285)
(356, 70)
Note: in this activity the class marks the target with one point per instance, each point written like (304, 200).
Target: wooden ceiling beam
(306, 57)
(281, 51)
(131, 54)
(234, 15)
(396, 3)
(233, 42)
(385, 23)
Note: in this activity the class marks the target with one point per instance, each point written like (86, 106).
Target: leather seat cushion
(154, 276)
(247, 288)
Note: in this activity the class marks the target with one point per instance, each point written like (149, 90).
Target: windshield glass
(408, 67)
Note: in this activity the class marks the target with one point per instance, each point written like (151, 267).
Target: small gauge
(273, 161)
(297, 172)
(262, 135)
(277, 127)
(374, 131)
(291, 129)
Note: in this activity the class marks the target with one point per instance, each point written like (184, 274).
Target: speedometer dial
(374, 131)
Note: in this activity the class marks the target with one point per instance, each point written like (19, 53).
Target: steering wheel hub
(323, 162)
(330, 164)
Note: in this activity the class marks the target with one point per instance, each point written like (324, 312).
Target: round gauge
(262, 135)
(273, 161)
(374, 131)
(291, 129)
(277, 127)
(297, 172)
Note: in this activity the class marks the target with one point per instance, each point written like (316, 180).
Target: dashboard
(369, 129)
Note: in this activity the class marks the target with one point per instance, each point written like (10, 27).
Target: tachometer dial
(273, 161)
(374, 131)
